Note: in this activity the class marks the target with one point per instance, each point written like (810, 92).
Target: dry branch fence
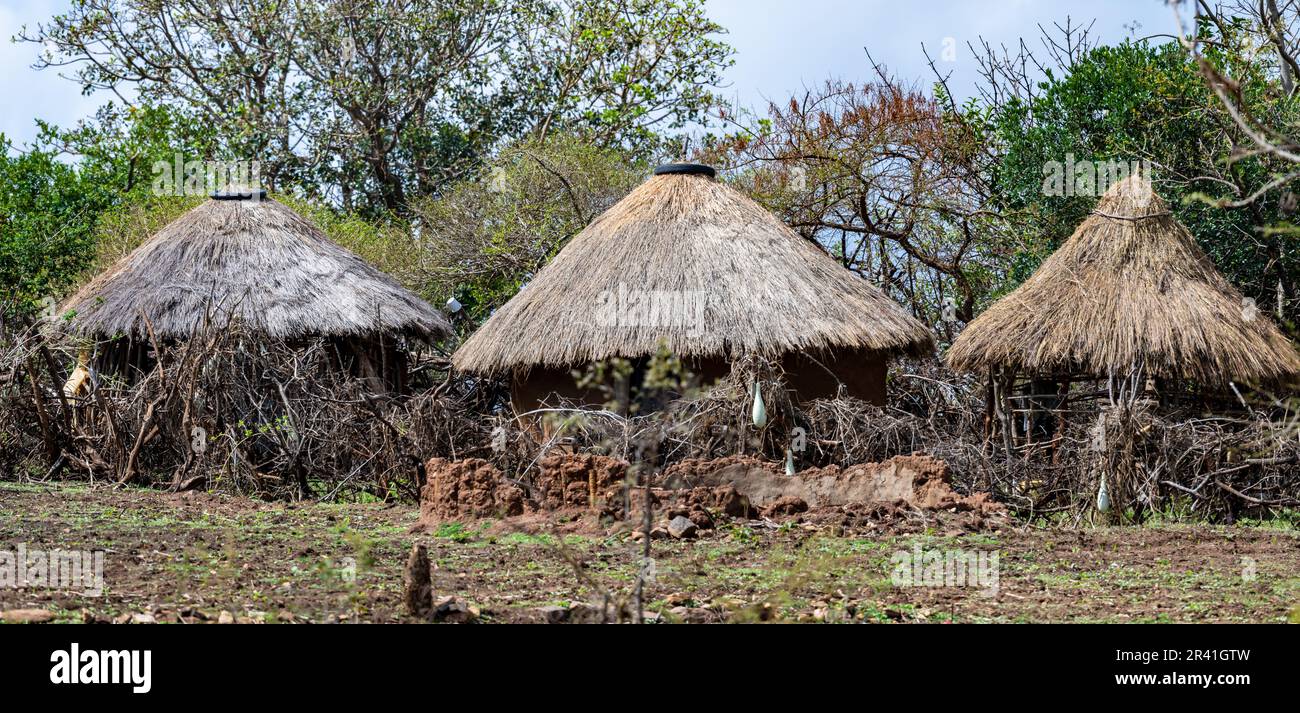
(225, 411)
(232, 413)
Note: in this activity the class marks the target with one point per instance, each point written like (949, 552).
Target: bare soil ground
(190, 557)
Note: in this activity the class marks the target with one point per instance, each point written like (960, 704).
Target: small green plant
(454, 531)
(740, 533)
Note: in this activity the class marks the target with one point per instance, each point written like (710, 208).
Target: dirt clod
(785, 506)
(732, 503)
(451, 610)
(555, 615)
(26, 616)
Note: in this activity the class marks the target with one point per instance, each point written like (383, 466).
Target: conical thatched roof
(1130, 286)
(729, 278)
(254, 261)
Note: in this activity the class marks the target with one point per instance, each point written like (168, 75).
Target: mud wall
(736, 486)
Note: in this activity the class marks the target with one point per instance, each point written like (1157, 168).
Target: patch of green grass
(739, 533)
(458, 532)
(1286, 519)
(983, 540)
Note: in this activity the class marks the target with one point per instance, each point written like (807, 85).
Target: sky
(782, 46)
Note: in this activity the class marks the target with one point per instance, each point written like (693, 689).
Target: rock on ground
(681, 528)
(26, 616)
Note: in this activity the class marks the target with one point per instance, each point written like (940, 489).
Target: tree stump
(418, 587)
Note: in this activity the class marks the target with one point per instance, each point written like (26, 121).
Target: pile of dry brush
(223, 412)
(1157, 461)
(241, 415)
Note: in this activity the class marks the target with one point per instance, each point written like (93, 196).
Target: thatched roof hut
(691, 263)
(1130, 287)
(258, 262)
(246, 258)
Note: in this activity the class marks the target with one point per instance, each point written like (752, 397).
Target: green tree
(485, 238)
(54, 192)
(47, 214)
(369, 103)
(1147, 102)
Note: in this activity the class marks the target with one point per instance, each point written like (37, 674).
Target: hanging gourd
(789, 462)
(760, 409)
(1103, 497)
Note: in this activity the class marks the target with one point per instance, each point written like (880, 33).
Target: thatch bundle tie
(1131, 217)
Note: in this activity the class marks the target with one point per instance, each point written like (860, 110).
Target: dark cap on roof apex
(238, 195)
(686, 169)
